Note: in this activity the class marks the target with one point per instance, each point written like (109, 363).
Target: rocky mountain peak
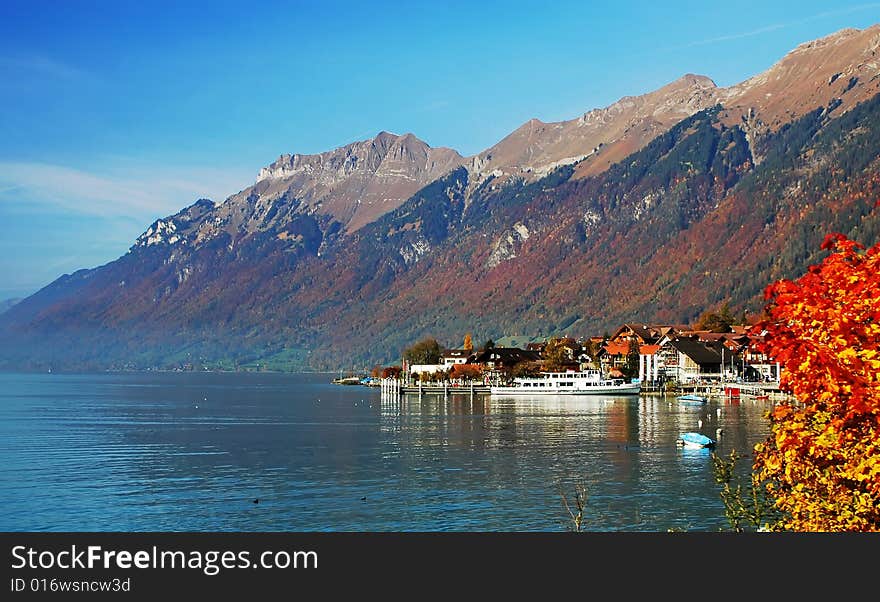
(833, 39)
(840, 69)
(536, 148)
(694, 79)
(176, 228)
(355, 183)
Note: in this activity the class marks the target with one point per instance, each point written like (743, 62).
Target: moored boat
(695, 440)
(692, 398)
(586, 382)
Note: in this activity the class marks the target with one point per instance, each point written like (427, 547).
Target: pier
(736, 390)
(393, 387)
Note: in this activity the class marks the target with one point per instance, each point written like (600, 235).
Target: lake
(293, 452)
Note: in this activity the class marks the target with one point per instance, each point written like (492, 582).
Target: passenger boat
(585, 382)
(695, 440)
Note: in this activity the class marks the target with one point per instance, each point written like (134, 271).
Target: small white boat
(586, 382)
(691, 398)
(695, 440)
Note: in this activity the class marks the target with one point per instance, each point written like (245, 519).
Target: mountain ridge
(266, 277)
(597, 138)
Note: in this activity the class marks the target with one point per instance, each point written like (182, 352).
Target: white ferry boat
(587, 382)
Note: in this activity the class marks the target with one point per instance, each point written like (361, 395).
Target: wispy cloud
(735, 36)
(776, 27)
(30, 72)
(137, 192)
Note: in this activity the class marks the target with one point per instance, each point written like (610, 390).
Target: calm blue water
(191, 452)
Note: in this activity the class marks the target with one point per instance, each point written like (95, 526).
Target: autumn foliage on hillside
(821, 462)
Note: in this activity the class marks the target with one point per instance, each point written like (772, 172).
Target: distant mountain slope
(711, 209)
(684, 225)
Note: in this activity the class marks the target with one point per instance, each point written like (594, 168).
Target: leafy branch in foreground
(744, 506)
(576, 513)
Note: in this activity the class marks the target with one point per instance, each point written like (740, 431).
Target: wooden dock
(394, 390)
(733, 390)
(444, 389)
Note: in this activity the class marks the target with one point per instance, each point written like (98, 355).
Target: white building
(452, 357)
(427, 368)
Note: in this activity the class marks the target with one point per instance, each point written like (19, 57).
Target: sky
(116, 113)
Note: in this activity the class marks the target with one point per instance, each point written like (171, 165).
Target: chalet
(707, 336)
(763, 366)
(644, 334)
(571, 347)
(687, 359)
(641, 333)
(500, 358)
(613, 356)
(452, 357)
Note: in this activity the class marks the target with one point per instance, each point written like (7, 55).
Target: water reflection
(191, 452)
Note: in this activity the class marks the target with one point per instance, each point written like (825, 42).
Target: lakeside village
(722, 359)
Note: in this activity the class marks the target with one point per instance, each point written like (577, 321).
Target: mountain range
(652, 209)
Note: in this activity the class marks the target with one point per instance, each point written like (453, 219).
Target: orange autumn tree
(821, 462)
(466, 372)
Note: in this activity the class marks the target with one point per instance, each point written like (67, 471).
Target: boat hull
(692, 399)
(634, 389)
(690, 445)
(588, 382)
(695, 440)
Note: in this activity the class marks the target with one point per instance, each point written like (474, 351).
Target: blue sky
(113, 114)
